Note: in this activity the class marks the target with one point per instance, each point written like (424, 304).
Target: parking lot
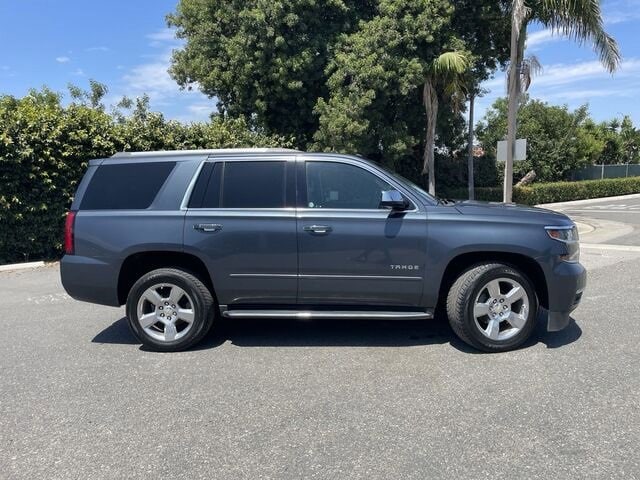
(282, 399)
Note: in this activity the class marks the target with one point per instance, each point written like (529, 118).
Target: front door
(351, 252)
(241, 221)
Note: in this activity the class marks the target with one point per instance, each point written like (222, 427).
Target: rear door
(241, 221)
(351, 251)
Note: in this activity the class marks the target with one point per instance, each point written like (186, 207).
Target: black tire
(460, 306)
(203, 308)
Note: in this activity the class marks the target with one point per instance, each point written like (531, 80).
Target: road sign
(521, 150)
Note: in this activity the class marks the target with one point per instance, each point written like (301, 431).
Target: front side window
(340, 185)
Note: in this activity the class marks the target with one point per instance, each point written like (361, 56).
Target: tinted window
(200, 188)
(339, 185)
(125, 186)
(253, 185)
(212, 196)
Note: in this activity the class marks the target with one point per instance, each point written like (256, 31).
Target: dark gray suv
(185, 237)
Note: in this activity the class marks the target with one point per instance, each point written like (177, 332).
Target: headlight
(569, 236)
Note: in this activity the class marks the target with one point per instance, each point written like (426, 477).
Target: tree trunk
(430, 99)
(470, 153)
(527, 179)
(517, 39)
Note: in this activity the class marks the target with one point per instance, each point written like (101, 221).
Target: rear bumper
(90, 280)
(565, 284)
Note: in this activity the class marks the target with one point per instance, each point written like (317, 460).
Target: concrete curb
(24, 266)
(576, 203)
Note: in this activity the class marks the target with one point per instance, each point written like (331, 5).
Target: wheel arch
(523, 263)
(137, 264)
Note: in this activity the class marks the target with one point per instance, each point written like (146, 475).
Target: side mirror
(393, 200)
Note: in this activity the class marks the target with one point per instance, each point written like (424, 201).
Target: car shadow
(337, 333)
(118, 332)
(570, 334)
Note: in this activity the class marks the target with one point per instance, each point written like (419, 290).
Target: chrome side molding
(325, 314)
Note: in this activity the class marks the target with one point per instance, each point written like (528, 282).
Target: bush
(557, 191)
(45, 146)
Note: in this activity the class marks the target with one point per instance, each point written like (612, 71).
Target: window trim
(302, 187)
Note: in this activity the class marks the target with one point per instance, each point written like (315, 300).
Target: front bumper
(565, 284)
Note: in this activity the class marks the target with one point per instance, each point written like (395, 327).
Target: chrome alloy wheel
(165, 312)
(501, 309)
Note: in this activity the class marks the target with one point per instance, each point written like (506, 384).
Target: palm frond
(529, 68)
(451, 64)
(580, 20)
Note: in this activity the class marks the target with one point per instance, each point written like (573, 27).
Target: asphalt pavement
(79, 398)
(617, 219)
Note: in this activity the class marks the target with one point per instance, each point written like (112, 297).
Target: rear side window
(127, 186)
(242, 185)
(253, 185)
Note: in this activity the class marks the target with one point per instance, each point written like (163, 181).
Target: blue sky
(127, 46)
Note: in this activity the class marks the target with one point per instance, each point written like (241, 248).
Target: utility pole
(514, 93)
(472, 98)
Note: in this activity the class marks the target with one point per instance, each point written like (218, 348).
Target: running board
(318, 314)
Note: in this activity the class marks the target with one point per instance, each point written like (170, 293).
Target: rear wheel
(170, 309)
(492, 307)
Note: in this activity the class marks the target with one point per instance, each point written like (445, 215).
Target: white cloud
(565, 74)
(97, 49)
(573, 84)
(63, 59)
(202, 110)
(6, 71)
(164, 37)
(535, 39)
(78, 72)
(152, 77)
(620, 11)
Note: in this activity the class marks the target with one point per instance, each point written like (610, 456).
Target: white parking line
(606, 246)
(584, 210)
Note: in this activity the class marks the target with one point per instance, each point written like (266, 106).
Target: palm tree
(446, 74)
(580, 20)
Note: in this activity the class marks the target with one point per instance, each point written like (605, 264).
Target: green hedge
(557, 191)
(45, 146)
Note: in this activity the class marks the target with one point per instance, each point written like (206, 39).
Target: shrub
(557, 191)
(45, 146)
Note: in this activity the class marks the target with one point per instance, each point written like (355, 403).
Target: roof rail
(215, 151)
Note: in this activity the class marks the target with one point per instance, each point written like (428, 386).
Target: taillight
(69, 246)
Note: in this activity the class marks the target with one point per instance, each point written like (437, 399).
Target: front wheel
(170, 310)
(492, 307)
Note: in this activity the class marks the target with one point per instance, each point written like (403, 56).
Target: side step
(317, 314)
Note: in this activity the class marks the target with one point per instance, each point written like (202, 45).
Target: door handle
(208, 227)
(317, 228)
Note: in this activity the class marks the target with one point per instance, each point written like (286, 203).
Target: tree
(580, 20)
(382, 74)
(444, 76)
(341, 75)
(264, 61)
(558, 140)
(630, 137)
